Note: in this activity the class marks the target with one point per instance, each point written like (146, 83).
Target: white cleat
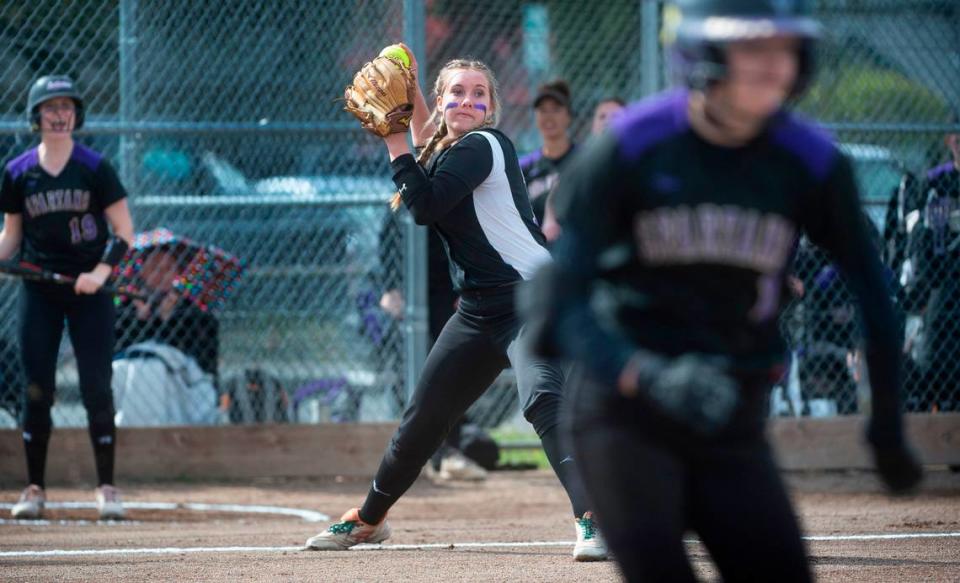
(457, 466)
(109, 504)
(30, 505)
(590, 546)
(348, 532)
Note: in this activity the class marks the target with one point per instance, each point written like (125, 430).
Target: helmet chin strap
(53, 129)
(704, 74)
(56, 119)
(57, 132)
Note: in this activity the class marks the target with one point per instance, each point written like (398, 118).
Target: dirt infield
(522, 508)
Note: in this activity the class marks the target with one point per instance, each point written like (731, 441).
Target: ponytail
(433, 142)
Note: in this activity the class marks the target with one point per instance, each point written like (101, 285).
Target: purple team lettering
(52, 201)
(710, 233)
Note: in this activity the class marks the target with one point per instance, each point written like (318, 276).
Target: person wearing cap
(65, 211)
(542, 167)
(679, 228)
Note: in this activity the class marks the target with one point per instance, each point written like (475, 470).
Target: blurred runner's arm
(587, 205)
(836, 224)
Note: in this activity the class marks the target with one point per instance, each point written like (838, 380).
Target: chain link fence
(888, 86)
(223, 124)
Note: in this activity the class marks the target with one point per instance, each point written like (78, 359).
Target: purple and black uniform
(64, 226)
(677, 246)
(541, 174)
(64, 230)
(934, 286)
(944, 179)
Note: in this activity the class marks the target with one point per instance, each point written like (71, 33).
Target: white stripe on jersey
(500, 220)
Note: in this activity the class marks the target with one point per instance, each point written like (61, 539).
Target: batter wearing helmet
(679, 227)
(58, 199)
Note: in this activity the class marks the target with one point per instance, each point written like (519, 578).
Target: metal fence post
(649, 47)
(415, 252)
(127, 48)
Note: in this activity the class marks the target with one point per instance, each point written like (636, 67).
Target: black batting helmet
(701, 27)
(49, 87)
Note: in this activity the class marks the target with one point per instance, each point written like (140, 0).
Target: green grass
(519, 458)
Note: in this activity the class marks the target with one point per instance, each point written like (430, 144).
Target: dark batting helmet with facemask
(699, 29)
(49, 87)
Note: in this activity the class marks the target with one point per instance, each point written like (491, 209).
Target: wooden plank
(354, 450)
(197, 453)
(840, 442)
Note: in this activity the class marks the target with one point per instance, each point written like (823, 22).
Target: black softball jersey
(64, 225)
(541, 174)
(677, 245)
(474, 195)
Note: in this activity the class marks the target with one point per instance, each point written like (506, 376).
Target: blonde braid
(395, 202)
(433, 142)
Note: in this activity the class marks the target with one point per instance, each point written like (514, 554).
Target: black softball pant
(479, 341)
(652, 480)
(90, 321)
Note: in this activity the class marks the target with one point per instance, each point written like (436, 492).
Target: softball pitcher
(472, 192)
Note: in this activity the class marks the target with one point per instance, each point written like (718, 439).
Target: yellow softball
(396, 53)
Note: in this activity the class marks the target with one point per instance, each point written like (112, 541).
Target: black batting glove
(693, 389)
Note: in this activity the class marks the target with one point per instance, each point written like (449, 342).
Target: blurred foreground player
(679, 226)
